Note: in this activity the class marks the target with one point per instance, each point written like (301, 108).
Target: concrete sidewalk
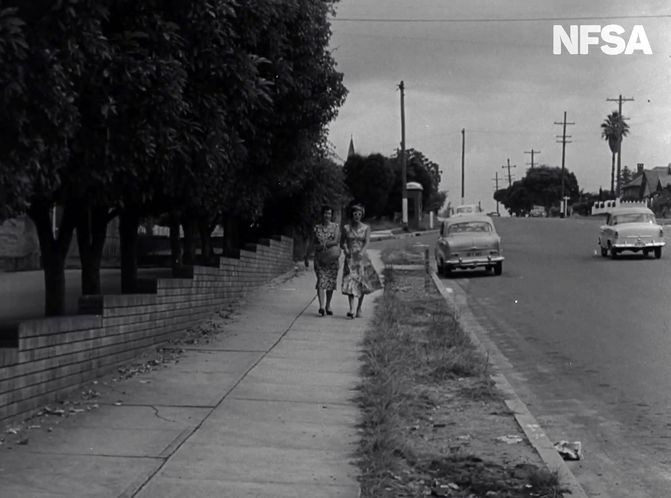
(265, 409)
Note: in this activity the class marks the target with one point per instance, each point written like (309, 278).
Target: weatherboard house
(647, 183)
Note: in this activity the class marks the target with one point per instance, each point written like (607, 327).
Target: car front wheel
(658, 252)
(498, 268)
(613, 252)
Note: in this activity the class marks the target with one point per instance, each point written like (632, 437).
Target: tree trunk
(175, 243)
(206, 250)
(189, 240)
(91, 235)
(53, 251)
(231, 235)
(617, 179)
(612, 174)
(129, 220)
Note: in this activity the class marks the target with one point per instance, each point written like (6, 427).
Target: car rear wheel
(658, 252)
(498, 268)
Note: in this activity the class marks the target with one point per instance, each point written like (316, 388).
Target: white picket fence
(601, 207)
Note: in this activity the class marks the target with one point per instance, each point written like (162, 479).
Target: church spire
(351, 152)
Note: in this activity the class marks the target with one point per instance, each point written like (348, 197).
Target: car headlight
(661, 232)
(616, 235)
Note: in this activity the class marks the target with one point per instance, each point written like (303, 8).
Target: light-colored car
(631, 229)
(466, 209)
(468, 241)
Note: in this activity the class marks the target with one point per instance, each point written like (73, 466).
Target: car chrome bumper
(635, 245)
(473, 262)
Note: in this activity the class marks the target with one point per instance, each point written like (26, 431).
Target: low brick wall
(51, 356)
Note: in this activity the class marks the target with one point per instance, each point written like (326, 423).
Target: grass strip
(414, 348)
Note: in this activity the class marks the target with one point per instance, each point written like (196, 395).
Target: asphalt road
(590, 340)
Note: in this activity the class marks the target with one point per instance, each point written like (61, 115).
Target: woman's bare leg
(358, 307)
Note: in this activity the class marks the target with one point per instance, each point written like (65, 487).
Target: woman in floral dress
(327, 259)
(359, 276)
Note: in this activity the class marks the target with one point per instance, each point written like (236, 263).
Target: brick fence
(44, 359)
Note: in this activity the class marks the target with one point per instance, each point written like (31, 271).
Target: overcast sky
(488, 67)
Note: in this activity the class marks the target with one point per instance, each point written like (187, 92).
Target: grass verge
(431, 411)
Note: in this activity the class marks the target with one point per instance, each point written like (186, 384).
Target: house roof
(650, 180)
(652, 177)
(635, 182)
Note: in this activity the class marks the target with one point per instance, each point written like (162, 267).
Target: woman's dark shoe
(350, 314)
(329, 312)
(321, 311)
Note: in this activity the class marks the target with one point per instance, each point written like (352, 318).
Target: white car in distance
(632, 229)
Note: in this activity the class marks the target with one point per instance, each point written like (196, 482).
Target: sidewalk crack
(158, 414)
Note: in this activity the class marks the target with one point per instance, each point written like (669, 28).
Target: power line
(501, 19)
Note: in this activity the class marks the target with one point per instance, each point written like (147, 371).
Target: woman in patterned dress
(327, 259)
(359, 276)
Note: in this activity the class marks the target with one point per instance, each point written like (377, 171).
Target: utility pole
(532, 152)
(404, 173)
(496, 179)
(619, 101)
(463, 149)
(510, 178)
(563, 141)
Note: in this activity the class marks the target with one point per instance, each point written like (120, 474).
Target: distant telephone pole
(532, 152)
(404, 173)
(563, 140)
(619, 101)
(463, 149)
(496, 179)
(510, 178)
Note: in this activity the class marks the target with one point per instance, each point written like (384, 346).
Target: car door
(605, 231)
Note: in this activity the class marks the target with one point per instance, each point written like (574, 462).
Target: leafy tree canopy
(540, 186)
(419, 169)
(370, 180)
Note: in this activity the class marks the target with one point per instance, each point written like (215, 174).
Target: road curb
(400, 235)
(527, 422)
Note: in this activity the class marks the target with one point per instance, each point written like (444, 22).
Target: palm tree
(614, 129)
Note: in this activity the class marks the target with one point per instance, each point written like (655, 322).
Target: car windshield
(470, 226)
(618, 219)
(465, 209)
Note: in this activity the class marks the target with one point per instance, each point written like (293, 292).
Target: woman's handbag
(329, 255)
